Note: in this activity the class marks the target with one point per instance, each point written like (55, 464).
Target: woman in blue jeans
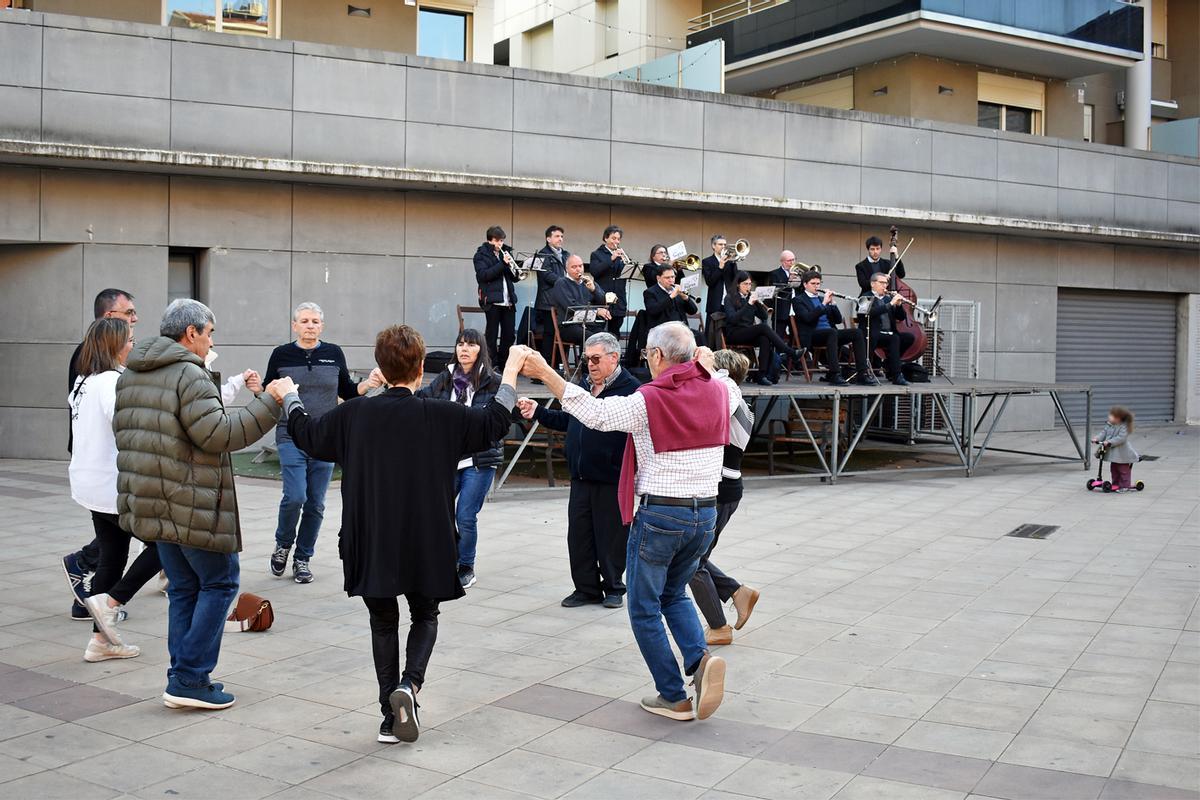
(469, 380)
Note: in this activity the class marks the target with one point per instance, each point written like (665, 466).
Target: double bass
(908, 324)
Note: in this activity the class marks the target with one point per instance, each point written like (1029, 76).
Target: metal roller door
(1123, 343)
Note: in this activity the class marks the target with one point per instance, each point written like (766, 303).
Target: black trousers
(710, 586)
(766, 338)
(596, 539)
(114, 553)
(88, 556)
(545, 326)
(614, 325)
(385, 642)
(893, 345)
(833, 339)
(501, 321)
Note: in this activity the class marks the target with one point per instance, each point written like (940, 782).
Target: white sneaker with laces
(103, 651)
(106, 616)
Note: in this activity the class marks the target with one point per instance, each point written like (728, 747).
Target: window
(181, 275)
(1009, 118)
(244, 17)
(442, 34)
(1089, 122)
(1011, 104)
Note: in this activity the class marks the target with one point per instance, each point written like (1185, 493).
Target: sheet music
(676, 251)
(764, 293)
(537, 263)
(690, 283)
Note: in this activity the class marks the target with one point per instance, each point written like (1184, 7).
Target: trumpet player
(607, 263)
(573, 290)
(886, 309)
(667, 302)
(817, 318)
(496, 273)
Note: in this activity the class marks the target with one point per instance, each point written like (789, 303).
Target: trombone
(689, 262)
(737, 252)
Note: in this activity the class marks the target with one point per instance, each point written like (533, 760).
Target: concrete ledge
(52, 154)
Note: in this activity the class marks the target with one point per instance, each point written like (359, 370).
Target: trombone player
(497, 274)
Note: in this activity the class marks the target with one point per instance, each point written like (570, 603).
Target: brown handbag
(250, 613)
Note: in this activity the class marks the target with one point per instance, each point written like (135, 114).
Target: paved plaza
(904, 647)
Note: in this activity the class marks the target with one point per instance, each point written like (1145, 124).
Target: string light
(650, 37)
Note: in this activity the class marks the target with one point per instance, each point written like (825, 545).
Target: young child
(1117, 451)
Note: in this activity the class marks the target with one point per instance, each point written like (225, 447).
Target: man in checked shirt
(678, 425)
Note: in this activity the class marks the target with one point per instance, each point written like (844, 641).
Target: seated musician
(606, 265)
(746, 323)
(864, 269)
(886, 310)
(572, 290)
(817, 319)
(666, 302)
(657, 263)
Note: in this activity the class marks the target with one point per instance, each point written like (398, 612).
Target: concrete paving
(904, 647)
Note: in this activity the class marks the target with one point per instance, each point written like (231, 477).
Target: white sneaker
(106, 616)
(103, 651)
(162, 582)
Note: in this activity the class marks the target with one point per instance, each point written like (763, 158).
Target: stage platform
(980, 408)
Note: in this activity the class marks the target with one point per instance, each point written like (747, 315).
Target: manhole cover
(1031, 531)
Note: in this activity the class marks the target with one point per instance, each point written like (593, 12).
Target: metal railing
(733, 11)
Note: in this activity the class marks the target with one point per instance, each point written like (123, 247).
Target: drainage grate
(1148, 458)
(1031, 531)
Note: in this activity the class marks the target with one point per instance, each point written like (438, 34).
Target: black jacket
(881, 307)
(605, 269)
(554, 269)
(717, 279)
(592, 455)
(864, 269)
(807, 316)
(399, 455)
(741, 313)
(661, 307)
(492, 274)
(567, 293)
(441, 388)
(651, 271)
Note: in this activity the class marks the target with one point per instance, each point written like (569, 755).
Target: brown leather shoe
(709, 682)
(719, 636)
(744, 600)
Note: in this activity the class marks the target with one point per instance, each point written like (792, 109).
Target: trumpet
(689, 262)
(516, 266)
(629, 262)
(737, 252)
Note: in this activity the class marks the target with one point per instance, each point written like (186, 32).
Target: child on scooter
(1117, 451)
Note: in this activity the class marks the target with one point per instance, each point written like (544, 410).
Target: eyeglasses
(129, 312)
(595, 360)
(646, 351)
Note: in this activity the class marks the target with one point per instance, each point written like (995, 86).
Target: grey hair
(181, 315)
(877, 275)
(605, 340)
(716, 236)
(675, 340)
(307, 307)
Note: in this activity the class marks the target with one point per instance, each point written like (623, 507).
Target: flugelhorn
(737, 251)
(689, 262)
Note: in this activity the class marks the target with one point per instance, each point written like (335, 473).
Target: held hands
(253, 381)
(526, 407)
(534, 365)
(517, 356)
(281, 388)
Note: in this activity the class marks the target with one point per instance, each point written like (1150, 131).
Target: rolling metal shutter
(1123, 344)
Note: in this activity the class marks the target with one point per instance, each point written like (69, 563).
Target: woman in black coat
(746, 323)
(399, 455)
(469, 380)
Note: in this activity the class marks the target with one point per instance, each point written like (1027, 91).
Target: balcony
(817, 37)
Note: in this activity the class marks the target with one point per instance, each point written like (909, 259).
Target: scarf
(461, 382)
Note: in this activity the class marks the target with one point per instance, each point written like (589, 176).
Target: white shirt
(93, 469)
(680, 473)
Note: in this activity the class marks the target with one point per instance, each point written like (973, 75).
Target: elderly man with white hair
(319, 369)
(678, 426)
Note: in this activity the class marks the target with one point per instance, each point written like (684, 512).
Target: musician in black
(745, 323)
(886, 310)
(572, 290)
(656, 264)
(718, 272)
(497, 293)
(666, 302)
(781, 305)
(817, 318)
(553, 259)
(607, 263)
(864, 269)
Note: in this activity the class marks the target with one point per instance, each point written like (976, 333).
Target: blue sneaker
(76, 579)
(208, 697)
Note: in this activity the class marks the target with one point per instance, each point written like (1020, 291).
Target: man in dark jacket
(607, 263)
(595, 536)
(817, 321)
(666, 302)
(399, 455)
(497, 293)
(175, 488)
(553, 259)
(572, 290)
(718, 272)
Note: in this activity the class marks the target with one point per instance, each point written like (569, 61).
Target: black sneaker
(385, 730)
(406, 726)
(79, 613)
(577, 599)
(613, 601)
(466, 576)
(300, 571)
(279, 561)
(900, 380)
(835, 379)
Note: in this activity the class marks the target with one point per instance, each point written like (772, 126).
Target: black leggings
(385, 642)
(710, 586)
(114, 553)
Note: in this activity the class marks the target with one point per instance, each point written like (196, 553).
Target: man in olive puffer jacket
(175, 487)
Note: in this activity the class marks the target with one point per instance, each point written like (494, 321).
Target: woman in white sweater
(93, 474)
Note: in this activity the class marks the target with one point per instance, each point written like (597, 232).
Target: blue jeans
(305, 480)
(201, 586)
(471, 485)
(665, 546)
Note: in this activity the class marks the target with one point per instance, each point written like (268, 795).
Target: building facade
(138, 156)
